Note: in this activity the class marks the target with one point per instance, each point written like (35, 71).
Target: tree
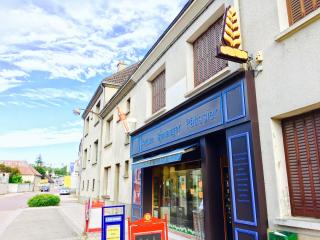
(39, 161)
(61, 171)
(41, 170)
(14, 173)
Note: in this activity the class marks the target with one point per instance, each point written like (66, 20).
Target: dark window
(158, 92)
(297, 9)
(93, 182)
(302, 148)
(204, 54)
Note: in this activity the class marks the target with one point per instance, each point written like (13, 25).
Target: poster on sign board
(137, 187)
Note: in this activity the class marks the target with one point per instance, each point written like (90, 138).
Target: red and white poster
(137, 187)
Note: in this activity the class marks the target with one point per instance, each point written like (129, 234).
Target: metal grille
(297, 9)
(158, 92)
(205, 50)
(302, 147)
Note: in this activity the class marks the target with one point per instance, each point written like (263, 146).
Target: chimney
(121, 65)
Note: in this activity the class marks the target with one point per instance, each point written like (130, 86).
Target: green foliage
(14, 173)
(27, 181)
(43, 200)
(15, 178)
(61, 171)
(41, 170)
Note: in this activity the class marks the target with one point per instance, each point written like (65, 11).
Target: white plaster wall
(92, 170)
(17, 188)
(178, 64)
(3, 188)
(289, 84)
(117, 153)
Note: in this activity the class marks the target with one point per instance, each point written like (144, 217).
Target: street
(17, 221)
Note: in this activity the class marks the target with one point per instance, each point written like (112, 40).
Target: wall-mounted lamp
(77, 111)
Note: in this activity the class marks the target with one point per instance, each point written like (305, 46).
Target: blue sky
(53, 54)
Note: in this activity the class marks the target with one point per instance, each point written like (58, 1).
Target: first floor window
(93, 183)
(302, 149)
(298, 9)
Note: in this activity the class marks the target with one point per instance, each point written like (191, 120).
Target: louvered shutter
(302, 148)
(297, 9)
(158, 92)
(204, 50)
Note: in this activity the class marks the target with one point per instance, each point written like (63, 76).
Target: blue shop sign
(216, 110)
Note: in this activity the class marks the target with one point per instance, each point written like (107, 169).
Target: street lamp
(77, 111)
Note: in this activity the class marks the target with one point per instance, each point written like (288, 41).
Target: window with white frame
(158, 86)
(87, 125)
(128, 105)
(206, 64)
(96, 152)
(298, 9)
(126, 169)
(97, 111)
(85, 158)
(109, 130)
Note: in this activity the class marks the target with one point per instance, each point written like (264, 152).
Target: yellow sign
(113, 232)
(67, 181)
(230, 47)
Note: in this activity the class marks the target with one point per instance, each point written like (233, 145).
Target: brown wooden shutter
(297, 9)
(158, 92)
(204, 50)
(302, 148)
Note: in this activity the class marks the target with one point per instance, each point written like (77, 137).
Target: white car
(64, 191)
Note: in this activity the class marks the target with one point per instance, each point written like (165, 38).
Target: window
(302, 148)
(297, 9)
(128, 106)
(88, 185)
(127, 139)
(93, 182)
(107, 177)
(126, 169)
(109, 131)
(85, 158)
(96, 151)
(158, 86)
(97, 111)
(117, 183)
(89, 154)
(82, 185)
(87, 125)
(204, 54)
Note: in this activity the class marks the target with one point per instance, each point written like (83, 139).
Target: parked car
(64, 191)
(44, 188)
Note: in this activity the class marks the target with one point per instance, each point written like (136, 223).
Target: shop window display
(178, 193)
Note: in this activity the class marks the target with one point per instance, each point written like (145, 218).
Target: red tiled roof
(24, 167)
(119, 78)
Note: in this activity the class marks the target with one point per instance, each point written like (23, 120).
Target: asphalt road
(15, 201)
(18, 222)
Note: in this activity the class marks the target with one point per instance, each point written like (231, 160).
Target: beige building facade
(280, 89)
(288, 99)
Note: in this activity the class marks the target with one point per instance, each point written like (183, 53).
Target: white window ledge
(155, 115)
(299, 222)
(206, 84)
(307, 20)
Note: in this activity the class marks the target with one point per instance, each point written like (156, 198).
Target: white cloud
(40, 137)
(79, 39)
(10, 78)
(44, 97)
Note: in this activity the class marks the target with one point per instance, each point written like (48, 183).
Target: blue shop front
(200, 165)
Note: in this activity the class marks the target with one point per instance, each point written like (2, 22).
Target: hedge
(43, 200)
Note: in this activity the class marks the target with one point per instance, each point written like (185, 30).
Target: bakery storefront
(200, 165)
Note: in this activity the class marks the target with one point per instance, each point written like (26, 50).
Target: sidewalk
(75, 215)
(6, 218)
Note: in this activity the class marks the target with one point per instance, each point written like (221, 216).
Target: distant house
(28, 173)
